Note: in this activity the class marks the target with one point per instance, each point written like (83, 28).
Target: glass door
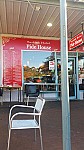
(71, 76)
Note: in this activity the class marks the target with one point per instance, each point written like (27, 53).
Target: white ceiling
(19, 17)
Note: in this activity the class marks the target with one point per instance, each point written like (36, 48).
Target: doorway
(71, 76)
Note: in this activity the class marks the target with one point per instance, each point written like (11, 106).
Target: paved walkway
(51, 129)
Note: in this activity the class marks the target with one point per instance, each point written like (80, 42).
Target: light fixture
(37, 8)
(49, 24)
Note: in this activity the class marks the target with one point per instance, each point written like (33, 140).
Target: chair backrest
(39, 104)
(31, 90)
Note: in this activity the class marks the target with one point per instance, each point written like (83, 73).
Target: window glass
(81, 72)
(39, 66)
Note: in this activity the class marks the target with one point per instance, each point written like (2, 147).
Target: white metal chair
(33, 123)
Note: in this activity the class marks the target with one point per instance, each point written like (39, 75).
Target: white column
(56, 77)
(78, 93)
(64, 78)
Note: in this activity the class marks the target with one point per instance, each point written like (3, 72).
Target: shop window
(39, 66)
(81, 72)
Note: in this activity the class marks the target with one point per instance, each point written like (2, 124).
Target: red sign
(30, 44)
(7, 67)
(12, 73)
(51, 65)
(76, 41)
(12, 68)
(12, 46)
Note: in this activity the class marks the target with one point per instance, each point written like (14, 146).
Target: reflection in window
(39, 66)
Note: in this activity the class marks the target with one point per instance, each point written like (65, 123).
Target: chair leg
(35, 134)
(9, 139)
(41, 139)
(27, 100)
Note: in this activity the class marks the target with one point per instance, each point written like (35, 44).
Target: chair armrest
(21, 106)
(22, 113)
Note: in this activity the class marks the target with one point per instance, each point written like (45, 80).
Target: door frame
(75, 75)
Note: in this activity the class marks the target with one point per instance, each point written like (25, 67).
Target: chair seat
(24, 124)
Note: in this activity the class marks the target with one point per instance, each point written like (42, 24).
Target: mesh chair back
(31, 90)
(39, 104)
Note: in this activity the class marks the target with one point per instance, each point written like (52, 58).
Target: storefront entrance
(42, 73)
(39, 60)
(71, 76)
